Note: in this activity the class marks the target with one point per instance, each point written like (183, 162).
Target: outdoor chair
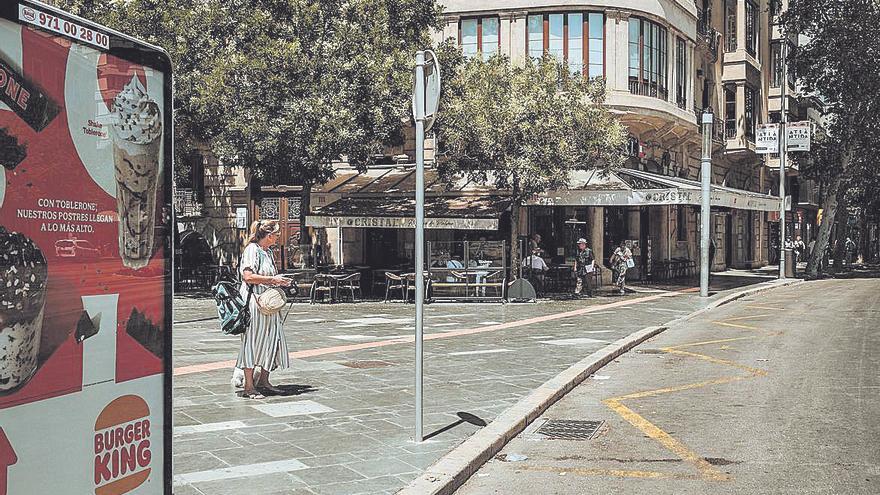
(322, 285)
(352, 283)
(394, 282)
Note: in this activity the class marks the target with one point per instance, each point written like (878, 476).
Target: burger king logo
(122, 446)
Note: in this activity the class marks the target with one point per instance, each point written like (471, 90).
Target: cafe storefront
(656, 216)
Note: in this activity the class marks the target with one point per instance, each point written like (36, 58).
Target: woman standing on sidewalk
(263, 343)
(621, 260)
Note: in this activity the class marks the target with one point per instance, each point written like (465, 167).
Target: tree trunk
(305, 233)
(515, 212)
(829, 218)
(840, 234)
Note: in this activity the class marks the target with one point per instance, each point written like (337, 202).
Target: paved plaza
(345, 425)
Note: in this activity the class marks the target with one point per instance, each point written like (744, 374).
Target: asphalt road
(778, 393)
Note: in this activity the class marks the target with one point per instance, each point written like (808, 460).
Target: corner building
(663, 62)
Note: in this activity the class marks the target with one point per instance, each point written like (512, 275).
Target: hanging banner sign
(797, 136)
(767, 139)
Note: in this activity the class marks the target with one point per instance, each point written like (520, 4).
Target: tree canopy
(523, 127)
(283, 87)
(839, 61)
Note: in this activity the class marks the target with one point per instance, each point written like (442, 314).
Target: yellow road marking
(707, 342)
(736, 325)
(707, 471)
(679, 388)
(771, 308)
(726, 362)
(665, 439)
(750, 317)
(620, 473)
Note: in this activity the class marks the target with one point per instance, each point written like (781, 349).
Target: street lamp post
(705, 203)
(782, 158)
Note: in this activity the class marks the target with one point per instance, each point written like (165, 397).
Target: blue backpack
(234, 313)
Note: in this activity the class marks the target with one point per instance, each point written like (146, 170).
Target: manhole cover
(367, 364)
(569, 429)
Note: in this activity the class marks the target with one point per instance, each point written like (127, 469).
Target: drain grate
(366, 364)
(569, 429)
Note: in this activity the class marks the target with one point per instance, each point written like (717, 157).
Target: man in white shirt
(537, 268)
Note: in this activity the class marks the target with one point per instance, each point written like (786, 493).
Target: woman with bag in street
(621, 260)
(262, 345)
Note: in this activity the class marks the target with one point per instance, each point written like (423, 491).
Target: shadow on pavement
(290, 390)
(464, 418)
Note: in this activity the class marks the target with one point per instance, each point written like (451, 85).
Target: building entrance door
(286, 210)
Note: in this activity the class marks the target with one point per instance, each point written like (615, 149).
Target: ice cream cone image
(137, 131)
(23, 277)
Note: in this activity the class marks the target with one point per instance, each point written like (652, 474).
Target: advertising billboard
(85, 257)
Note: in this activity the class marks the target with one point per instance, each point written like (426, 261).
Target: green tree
(283, 87)
(523, 127)
(839, 61)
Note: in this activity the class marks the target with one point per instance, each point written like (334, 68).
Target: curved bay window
(647, 58)
(577, 38)
(479, 35)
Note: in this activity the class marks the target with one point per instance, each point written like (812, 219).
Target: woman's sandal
(251, 394)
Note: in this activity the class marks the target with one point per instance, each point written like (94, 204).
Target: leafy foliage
(284, 87)
(522, 127)
(840, 61)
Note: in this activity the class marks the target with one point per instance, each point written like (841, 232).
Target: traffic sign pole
(420, 236)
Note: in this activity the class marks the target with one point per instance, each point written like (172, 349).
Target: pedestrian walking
(799, 249)
(584, 267)
(622, 259)
(263, 344)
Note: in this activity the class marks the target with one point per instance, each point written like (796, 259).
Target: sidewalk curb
(452, 470)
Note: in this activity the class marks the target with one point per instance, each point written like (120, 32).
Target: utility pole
(782, 158)
(705, 203)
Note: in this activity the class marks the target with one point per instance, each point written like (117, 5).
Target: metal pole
(782, 157)
(705, 203)
(420, 232)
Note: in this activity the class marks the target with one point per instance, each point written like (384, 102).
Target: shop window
(647, 58)
(479, 36)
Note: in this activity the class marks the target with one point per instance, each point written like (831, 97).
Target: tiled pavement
(346, 427)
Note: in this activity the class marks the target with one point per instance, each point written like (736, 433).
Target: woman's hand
(278, 280)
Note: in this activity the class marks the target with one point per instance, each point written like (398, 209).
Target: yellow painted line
(709, 342)
(750, 317)
(771, 308)
(619, 473)
(666, 440)
(736, 325)
(679, 388)
(726, 362)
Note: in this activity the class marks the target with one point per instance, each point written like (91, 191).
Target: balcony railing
(717, 125)
(644, 88)
(186, 203)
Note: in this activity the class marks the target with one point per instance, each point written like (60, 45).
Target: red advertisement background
(53, 169)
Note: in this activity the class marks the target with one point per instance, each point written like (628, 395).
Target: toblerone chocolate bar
(25, 98)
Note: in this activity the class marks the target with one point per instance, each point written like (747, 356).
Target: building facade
(664, 62)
